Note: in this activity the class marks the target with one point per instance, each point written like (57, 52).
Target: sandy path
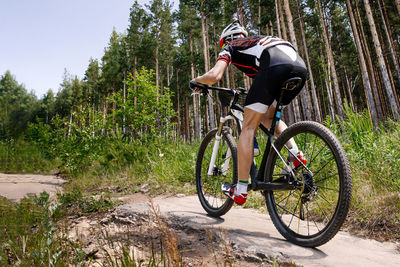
(17, 186)
(254, 232)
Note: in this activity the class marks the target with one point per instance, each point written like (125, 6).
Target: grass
(116, 168)
(29, 236)
(19, 156)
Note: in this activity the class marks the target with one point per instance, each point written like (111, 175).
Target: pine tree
(381, 61)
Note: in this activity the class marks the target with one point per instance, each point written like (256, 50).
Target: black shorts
(277, 64)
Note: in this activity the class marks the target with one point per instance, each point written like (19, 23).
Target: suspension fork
(218, 138)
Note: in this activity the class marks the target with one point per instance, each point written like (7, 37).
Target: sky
(41, 38)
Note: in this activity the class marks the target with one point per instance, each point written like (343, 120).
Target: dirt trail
(249, 231)
(254, 233)
(17, 186)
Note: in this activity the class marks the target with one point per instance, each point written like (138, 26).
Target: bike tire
(323, 199)
(214, 202)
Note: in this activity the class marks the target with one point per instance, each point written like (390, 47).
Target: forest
(350, 47)
(132, 124)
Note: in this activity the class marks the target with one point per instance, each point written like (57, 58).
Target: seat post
(277, 115)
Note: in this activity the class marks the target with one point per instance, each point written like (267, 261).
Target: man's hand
(194, 85)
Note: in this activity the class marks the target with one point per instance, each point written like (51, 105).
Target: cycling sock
(294, 147)
(241, 188)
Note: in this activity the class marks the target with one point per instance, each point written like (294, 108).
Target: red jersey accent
(245, 53)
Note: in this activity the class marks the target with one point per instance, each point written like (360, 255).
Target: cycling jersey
(270, 61)
(245, 53)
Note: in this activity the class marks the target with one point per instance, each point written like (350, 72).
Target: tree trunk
(293, 109)
(278, 26)
(379, 105)
(331, 61)
(207, 68)
(124, 95)
(363, 65)
(328, 85)
(196, 112)
(272, 28)
(381, 61)
(105, 111)
(388, 33)
(178, 96)
(386, 59)
(187, 120)
(349, 90)
(157, 71)
(134, 79)
(281, 18)
(306, 105)
(259, 17)
(205, 53)
(397, 6)
(317, 109)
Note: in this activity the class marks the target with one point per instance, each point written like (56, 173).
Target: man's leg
(291, 144)
(251, 122)
(267, 120)
(250, 125)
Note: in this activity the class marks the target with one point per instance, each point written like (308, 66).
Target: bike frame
(257, 176)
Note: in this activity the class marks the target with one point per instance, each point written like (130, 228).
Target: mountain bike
(307, 204)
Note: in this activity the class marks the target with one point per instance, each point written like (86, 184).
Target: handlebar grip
(195, 86)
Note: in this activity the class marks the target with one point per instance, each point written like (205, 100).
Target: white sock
(294, 147)
(241, 188)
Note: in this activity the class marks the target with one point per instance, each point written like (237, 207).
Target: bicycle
(307, 204)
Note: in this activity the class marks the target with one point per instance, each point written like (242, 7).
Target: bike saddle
(292, 83)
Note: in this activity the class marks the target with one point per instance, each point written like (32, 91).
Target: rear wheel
(313, 212)
(224, 170)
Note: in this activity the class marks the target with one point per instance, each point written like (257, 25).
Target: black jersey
(245, 53)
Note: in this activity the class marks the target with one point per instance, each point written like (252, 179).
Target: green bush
(29, 237)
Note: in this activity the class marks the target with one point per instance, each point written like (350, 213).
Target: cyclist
(270, 61)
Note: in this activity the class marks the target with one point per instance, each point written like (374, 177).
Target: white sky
(41, 38)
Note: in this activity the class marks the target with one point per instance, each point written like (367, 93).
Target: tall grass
(20, 156)
(374, 153)
(29, 236)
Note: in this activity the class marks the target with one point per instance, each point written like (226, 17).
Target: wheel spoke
(286, 198)
(316, 155)
(313, 147)
(308, 212)
(327, 188)
(294, 212)
(324, 166)
(316, 201)
(288, 211)
(326, 178)
(321, 196)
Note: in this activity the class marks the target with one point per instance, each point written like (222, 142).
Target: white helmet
(232, 29)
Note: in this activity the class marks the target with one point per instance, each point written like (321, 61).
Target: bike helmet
(233, 29)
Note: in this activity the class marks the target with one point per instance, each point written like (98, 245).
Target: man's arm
(213, 75)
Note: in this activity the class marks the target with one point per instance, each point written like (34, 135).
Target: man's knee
(249, 129)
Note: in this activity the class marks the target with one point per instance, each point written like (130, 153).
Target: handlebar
(204, 89)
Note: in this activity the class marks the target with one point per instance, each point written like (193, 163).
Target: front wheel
(313, 212)
(209, 181)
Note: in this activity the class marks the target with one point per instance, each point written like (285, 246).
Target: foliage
(75, 203)
(28, 235)
(374, 150)
(144, 111)
(21, 156)
(17, 107)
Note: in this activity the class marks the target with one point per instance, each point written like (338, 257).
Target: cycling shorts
(277, 64)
